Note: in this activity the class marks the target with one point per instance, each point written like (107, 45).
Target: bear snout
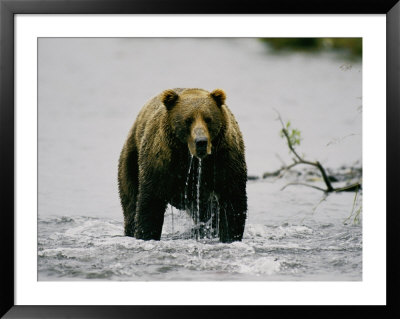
(201, 146)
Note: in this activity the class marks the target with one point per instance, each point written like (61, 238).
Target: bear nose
(201, 146)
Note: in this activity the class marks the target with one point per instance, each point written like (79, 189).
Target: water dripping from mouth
(187, 178)
(209, 227)
(197, 213)
(198, 185)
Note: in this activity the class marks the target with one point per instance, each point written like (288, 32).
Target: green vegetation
(350, 46)
(293, 134)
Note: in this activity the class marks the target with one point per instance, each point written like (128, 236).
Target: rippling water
(90, 91)
(305, 244)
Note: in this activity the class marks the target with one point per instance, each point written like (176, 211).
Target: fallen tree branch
(303, 184)
(300, 160)
(282, 169)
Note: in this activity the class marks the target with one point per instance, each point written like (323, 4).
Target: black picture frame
(8, 8)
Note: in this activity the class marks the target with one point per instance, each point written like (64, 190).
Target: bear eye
(189, 121)
(208, 120)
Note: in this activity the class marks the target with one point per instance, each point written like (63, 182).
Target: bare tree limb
(303, 184)
(300, 160)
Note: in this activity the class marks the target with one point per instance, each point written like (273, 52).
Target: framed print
(164, 159)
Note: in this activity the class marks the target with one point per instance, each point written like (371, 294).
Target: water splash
(172, 217)
(212, 224)
(205, 224)
(87, 248)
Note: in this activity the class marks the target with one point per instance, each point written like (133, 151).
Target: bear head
(196, 117)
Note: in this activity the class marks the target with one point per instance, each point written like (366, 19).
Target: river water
(90, 91)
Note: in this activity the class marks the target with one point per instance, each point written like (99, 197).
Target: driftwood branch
(303, 184)
(300, 160)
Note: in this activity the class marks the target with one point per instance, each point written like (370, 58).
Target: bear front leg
(128, 185)
(129, 218)
(232, 218)
(149, 216)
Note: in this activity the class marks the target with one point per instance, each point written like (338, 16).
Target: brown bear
(186, 149)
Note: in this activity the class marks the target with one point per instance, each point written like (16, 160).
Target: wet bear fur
(155, 159)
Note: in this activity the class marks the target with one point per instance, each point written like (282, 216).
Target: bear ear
(219, 96)
(169, 98)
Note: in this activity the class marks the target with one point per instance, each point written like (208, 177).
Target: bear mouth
(201, 153)
(198, 151)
